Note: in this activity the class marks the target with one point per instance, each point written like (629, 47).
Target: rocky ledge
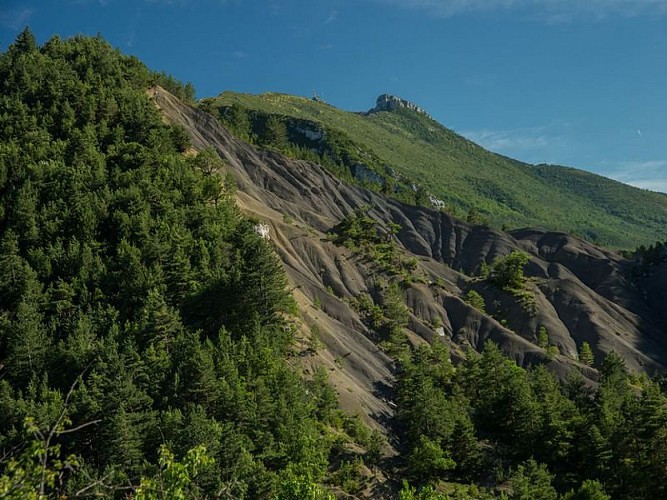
(387, 102)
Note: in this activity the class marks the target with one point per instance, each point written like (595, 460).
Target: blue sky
(581, 83)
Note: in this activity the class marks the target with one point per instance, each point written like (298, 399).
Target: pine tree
(124, 442)
(17, 279)
(208, 161)
(543, 337)
(589, 490)
(473, 298)
(507, 272)
(586, 355)
(428, 460)
(505, 404)
(532, 481)
(238, 120)
(275, 132)
(27, 343)
(25, 43)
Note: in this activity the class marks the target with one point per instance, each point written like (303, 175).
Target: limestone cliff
(387, 102)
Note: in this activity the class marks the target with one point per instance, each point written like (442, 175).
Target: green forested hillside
(541, 439)
(465, 176)
(138, 307)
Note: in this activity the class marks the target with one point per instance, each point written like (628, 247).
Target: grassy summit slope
(466, 176)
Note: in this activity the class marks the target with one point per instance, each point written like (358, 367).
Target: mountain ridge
(406, 150)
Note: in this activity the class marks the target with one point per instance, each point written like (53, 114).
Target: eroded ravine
(582, 293)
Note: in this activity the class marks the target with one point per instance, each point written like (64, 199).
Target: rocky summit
(388, 102)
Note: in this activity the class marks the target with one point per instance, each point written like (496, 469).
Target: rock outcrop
(388, 102)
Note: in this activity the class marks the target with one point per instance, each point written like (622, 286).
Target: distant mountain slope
(404, 145)
(581, 293)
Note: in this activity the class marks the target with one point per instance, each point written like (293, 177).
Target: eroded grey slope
(582, 293)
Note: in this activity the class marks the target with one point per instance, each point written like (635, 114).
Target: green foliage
(589, 490)
(175, 479)
(324, 396)
(126, 265)
(387, 318)
(371, 314)
(394, 308)
(532, 481)
(38, 469)
(208, 161)
(348, 475)
(484, 270)
(474, 217)
(436, 425)
(542, 436)
(374, 448)
(357, 229)
(185, 92)
(375, 244)
(544, 342)
(586, 355)
(651, 255)
(238, 120)
(473, 298)
(180, 138)
(274, 132)
(426, 493)
(128, 262)
(507, 272)
(300, 485)
(553, 351)
(428, 460)
(543, 337)
(357, 430)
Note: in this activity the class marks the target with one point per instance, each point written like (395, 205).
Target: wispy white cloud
(654, 185)
(644, 174)
(168, 2)
(512, 141)
(239, 54)
(479, 81)
(15, 19)
(550, 10)
(102, 3)
(333, 15)
(185, 3)
(133, 27)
